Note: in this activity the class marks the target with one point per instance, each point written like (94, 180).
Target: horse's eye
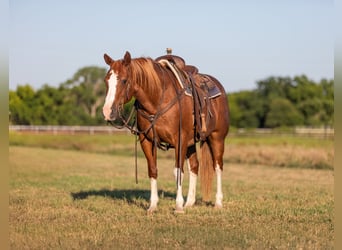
(123, 81)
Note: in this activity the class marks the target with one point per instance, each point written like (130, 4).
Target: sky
(238, 42)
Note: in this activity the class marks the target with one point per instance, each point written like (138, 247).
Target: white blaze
(107, 107)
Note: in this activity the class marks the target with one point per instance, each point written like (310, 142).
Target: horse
(165, 116)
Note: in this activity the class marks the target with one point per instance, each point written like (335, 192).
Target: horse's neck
(149, 101)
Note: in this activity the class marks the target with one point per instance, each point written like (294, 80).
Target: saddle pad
(213, 90)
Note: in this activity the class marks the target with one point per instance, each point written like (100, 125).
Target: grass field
(79, 192)
(297, 152)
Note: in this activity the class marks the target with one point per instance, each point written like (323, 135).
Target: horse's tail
(206, 171)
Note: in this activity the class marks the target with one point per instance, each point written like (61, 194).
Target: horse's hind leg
(219, 194)
(192, 163)
(217, 147)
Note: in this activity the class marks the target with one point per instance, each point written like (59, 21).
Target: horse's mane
(144, 74)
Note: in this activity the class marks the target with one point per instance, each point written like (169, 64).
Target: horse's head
(119, 89)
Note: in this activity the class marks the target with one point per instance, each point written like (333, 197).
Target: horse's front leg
(154, 195)
(151, 156)
(179, 198)
(192, 162)
(179, 173)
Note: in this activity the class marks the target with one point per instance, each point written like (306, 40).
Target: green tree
(306, 89)
(312, 100)
(327, 117)
(277, 101)
(249, 106)
(311, 108)
(274, 87)
(269, 89)
(88, 90)
(235, 111)
(282, 113)
(78, 101)
(20, 105)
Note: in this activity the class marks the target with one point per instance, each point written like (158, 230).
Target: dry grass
(281, 156)
(271, 150)
(64, 199)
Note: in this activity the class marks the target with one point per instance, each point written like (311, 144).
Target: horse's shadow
(131, 196)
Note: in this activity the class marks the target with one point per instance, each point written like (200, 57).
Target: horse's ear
(127, 58)
(108, 59)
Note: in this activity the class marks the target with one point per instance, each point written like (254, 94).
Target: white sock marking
(219, 194)
(154, 194)
(179, 198)
(192, 187)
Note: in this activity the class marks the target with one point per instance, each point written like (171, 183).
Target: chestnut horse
(165, 115)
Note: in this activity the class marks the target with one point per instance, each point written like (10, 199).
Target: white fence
(299, 131)
(68, 129)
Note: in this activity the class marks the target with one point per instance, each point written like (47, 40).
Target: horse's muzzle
(110, 114)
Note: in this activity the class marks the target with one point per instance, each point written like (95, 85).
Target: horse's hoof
(189, 204)
(151, 210)
(179, 211)
(218, 206)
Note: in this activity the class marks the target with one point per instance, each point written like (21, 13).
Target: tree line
(275, 102)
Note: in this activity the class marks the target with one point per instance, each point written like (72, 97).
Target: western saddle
(201, 87)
